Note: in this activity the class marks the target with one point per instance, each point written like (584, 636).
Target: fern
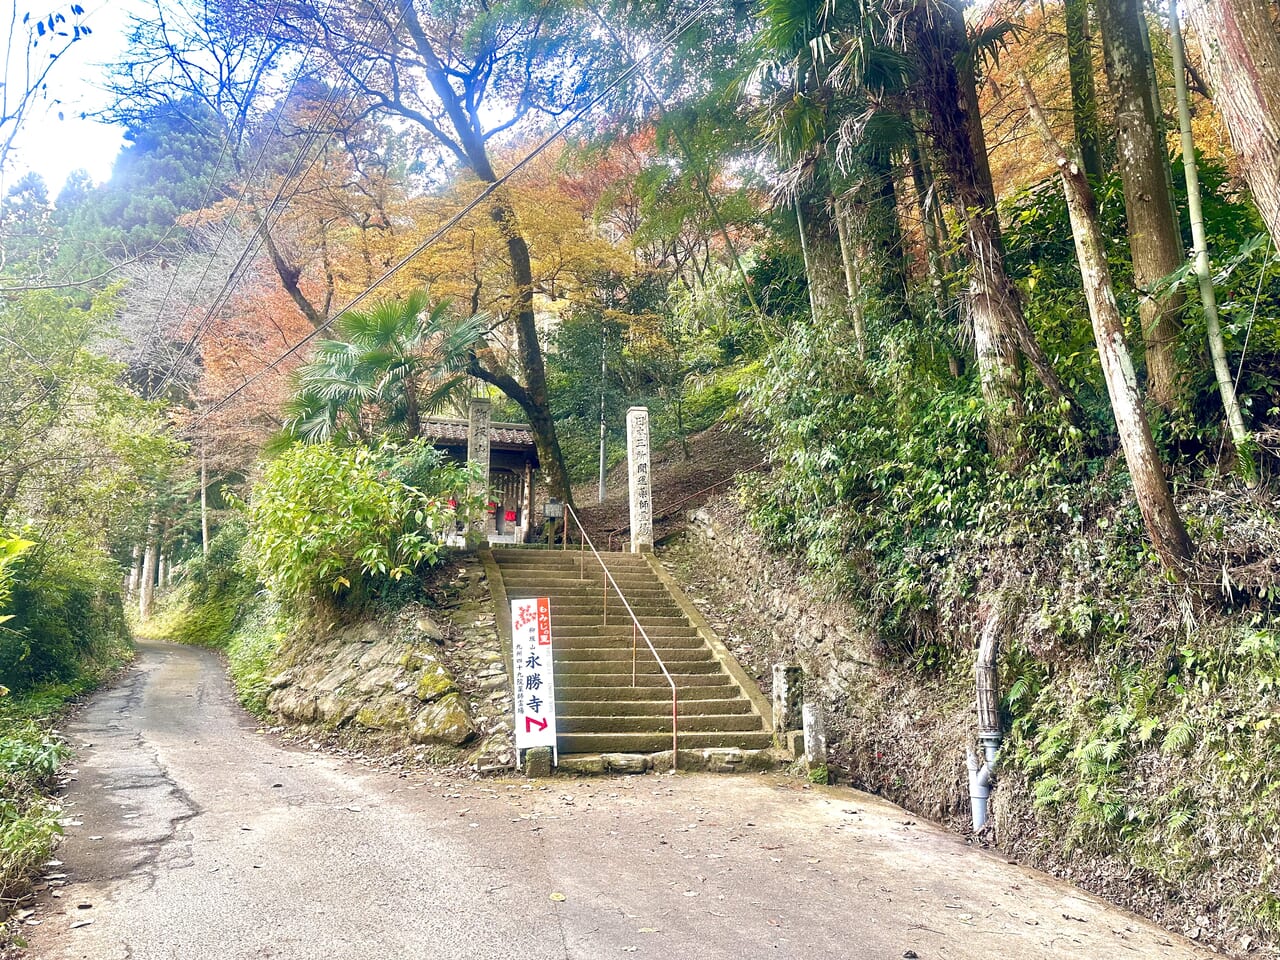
(1179, 737)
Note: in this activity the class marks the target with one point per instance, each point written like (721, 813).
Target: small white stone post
(479, 416)
(787, 694)
(641, 480)
(815, 741)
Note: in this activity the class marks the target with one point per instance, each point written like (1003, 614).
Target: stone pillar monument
(815, 741)
(641, 480)
(479, 416)
(788, 695)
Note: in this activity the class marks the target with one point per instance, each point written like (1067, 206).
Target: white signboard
(533, 676)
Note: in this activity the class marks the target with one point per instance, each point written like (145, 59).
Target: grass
(200, 620)
(30, 756)
(251, 653)
(31, 753)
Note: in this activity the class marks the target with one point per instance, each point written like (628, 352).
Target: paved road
(197, 837)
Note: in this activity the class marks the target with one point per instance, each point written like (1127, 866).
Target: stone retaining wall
(432, 679)
(886, 730)
(789, 619)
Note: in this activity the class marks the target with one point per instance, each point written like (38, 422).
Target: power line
(256, 238)
(226, 231)
(246, 255)
(665, 44)
(226, 140)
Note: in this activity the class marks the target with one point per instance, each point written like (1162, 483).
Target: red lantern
(511, 516)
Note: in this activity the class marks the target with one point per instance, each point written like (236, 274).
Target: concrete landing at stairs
(603, 707)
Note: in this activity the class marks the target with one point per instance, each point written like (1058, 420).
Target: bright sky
(55, 147)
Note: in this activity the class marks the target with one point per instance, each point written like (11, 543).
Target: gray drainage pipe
(982, 778)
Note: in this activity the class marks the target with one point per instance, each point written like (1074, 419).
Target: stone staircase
(599, 709)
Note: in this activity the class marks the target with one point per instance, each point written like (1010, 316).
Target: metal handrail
(636, 629)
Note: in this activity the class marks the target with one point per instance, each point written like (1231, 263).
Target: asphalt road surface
(195, 836)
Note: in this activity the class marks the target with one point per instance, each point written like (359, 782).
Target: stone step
(593, 598)
(505, 556)
(592, 595)
(572, 576)
(654, 742)
(603, 706)
(581, 606)
(669, 655)
(572, 561)
(617, 616)
(619, 641)
(553, 557)
(644, 668)
(700, 722)
(585, 620)
(652, 678)
(587, 591)
(618, 628)
(689, 706)
(569, 583)
(688, 692)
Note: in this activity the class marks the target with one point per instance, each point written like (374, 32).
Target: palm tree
(395, 363)
(839, 184)
(899, 57)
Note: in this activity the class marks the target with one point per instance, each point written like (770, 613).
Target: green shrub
(11, 551)
(879, 467)
(29, 757)
(67, 619)
(337, 520)
(206, 608)
(251, 654)
(28, 834)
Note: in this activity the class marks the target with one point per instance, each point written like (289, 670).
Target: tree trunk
(471, 149)
(165, 556)
(1242, 57)
(925, 198)
(1204, 277)
(1084, 95)
(820, 246)
(135, 572)
(886, 229)
(878, 236)
(1155, 499)
(950, 99)
(146, 586)
(529, 351)
(994, 309)
(412, 415)
(1155, 244)
(852, 279)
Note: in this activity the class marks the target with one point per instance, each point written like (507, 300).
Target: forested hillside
(995, 289)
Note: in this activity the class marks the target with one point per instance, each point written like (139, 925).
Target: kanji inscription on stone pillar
(641, 480)
(479, 416)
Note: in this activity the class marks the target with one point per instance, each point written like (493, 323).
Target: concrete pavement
(194, 836)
